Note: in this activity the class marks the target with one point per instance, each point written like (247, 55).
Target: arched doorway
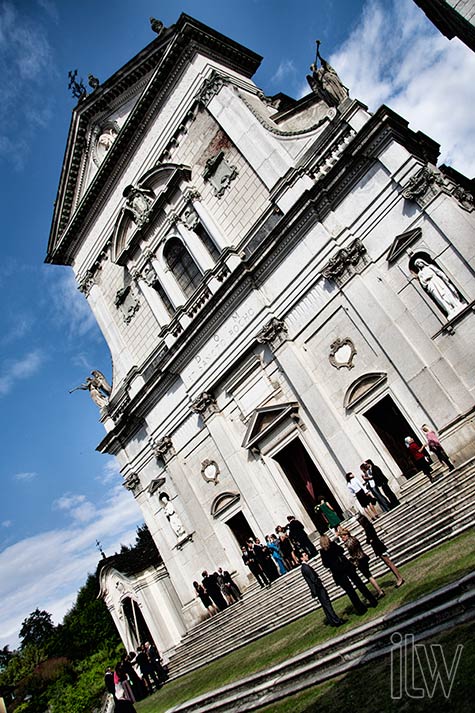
(136, 623)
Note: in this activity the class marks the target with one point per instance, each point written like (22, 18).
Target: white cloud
(26, 66)
(395, 56)
(110, 472)
(46, 570)
(78, 506)
(21, 326)
(25, 476)
(7, 523)
(70, 309)
(13, 371)
(285, 70)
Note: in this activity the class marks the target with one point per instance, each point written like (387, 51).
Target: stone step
(262, 625)
(430, 615)
(285, 602)
(389, 540)
(430, 516)
(243, 635)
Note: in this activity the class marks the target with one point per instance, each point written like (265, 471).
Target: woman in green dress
(328, 512)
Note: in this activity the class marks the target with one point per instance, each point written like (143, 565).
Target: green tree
(88, 626)
(36, 629)
(5, 657)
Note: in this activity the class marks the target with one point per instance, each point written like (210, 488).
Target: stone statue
(106, 139)
(436, 283)
(156, 25)
(172, 517)
(98, 387)
(325, 82)
(93, 81)
(102, 381)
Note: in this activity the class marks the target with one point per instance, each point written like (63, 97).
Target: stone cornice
(180, 41)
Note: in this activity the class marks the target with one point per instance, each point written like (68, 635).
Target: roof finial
(78, 89)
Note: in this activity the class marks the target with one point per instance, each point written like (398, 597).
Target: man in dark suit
(319, 592)
(299, 537)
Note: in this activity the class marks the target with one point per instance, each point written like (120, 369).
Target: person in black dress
(286, 547)
(318, 591)
(264, 557)
(205, 598)
(345, 574)
(379, 548)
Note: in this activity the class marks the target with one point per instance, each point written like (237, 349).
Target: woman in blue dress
(273, 545)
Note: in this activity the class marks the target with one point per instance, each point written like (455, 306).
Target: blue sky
(59, 495)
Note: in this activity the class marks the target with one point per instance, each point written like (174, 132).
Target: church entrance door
(240, 528)
(306, 480)
(135, 619)
(392, 428)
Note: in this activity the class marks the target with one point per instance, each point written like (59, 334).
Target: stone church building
(286, 288)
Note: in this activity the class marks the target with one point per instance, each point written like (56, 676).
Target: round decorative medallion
(210, 471)
(342, 353)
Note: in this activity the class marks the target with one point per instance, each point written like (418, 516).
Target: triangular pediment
(110, 122)
(401, 242)
(264, 419)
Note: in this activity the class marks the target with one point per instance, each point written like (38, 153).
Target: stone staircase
(428, 616)
(430, 513)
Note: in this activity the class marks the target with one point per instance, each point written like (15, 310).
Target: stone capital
(204, 404)
(344, 262)
(210, 88)
(162, 447)
(132, 482)
(86, 283)
(273, 332)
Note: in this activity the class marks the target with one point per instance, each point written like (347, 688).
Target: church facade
(286, 288)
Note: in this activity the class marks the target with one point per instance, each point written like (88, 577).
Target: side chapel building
(286, 288)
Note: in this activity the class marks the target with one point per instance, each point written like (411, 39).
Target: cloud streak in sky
(394, 56)
(46, 570)
(17, 370)
(26, 64)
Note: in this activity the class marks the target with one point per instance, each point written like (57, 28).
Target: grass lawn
(368, 689)
(428, 572)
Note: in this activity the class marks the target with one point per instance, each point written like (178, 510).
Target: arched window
(184, 268)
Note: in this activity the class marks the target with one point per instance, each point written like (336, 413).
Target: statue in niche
(436, 283)
(98, 387)
(105, 140)
(172, 517)
(325, 82)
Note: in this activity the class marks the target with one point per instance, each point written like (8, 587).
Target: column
(196, 247)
